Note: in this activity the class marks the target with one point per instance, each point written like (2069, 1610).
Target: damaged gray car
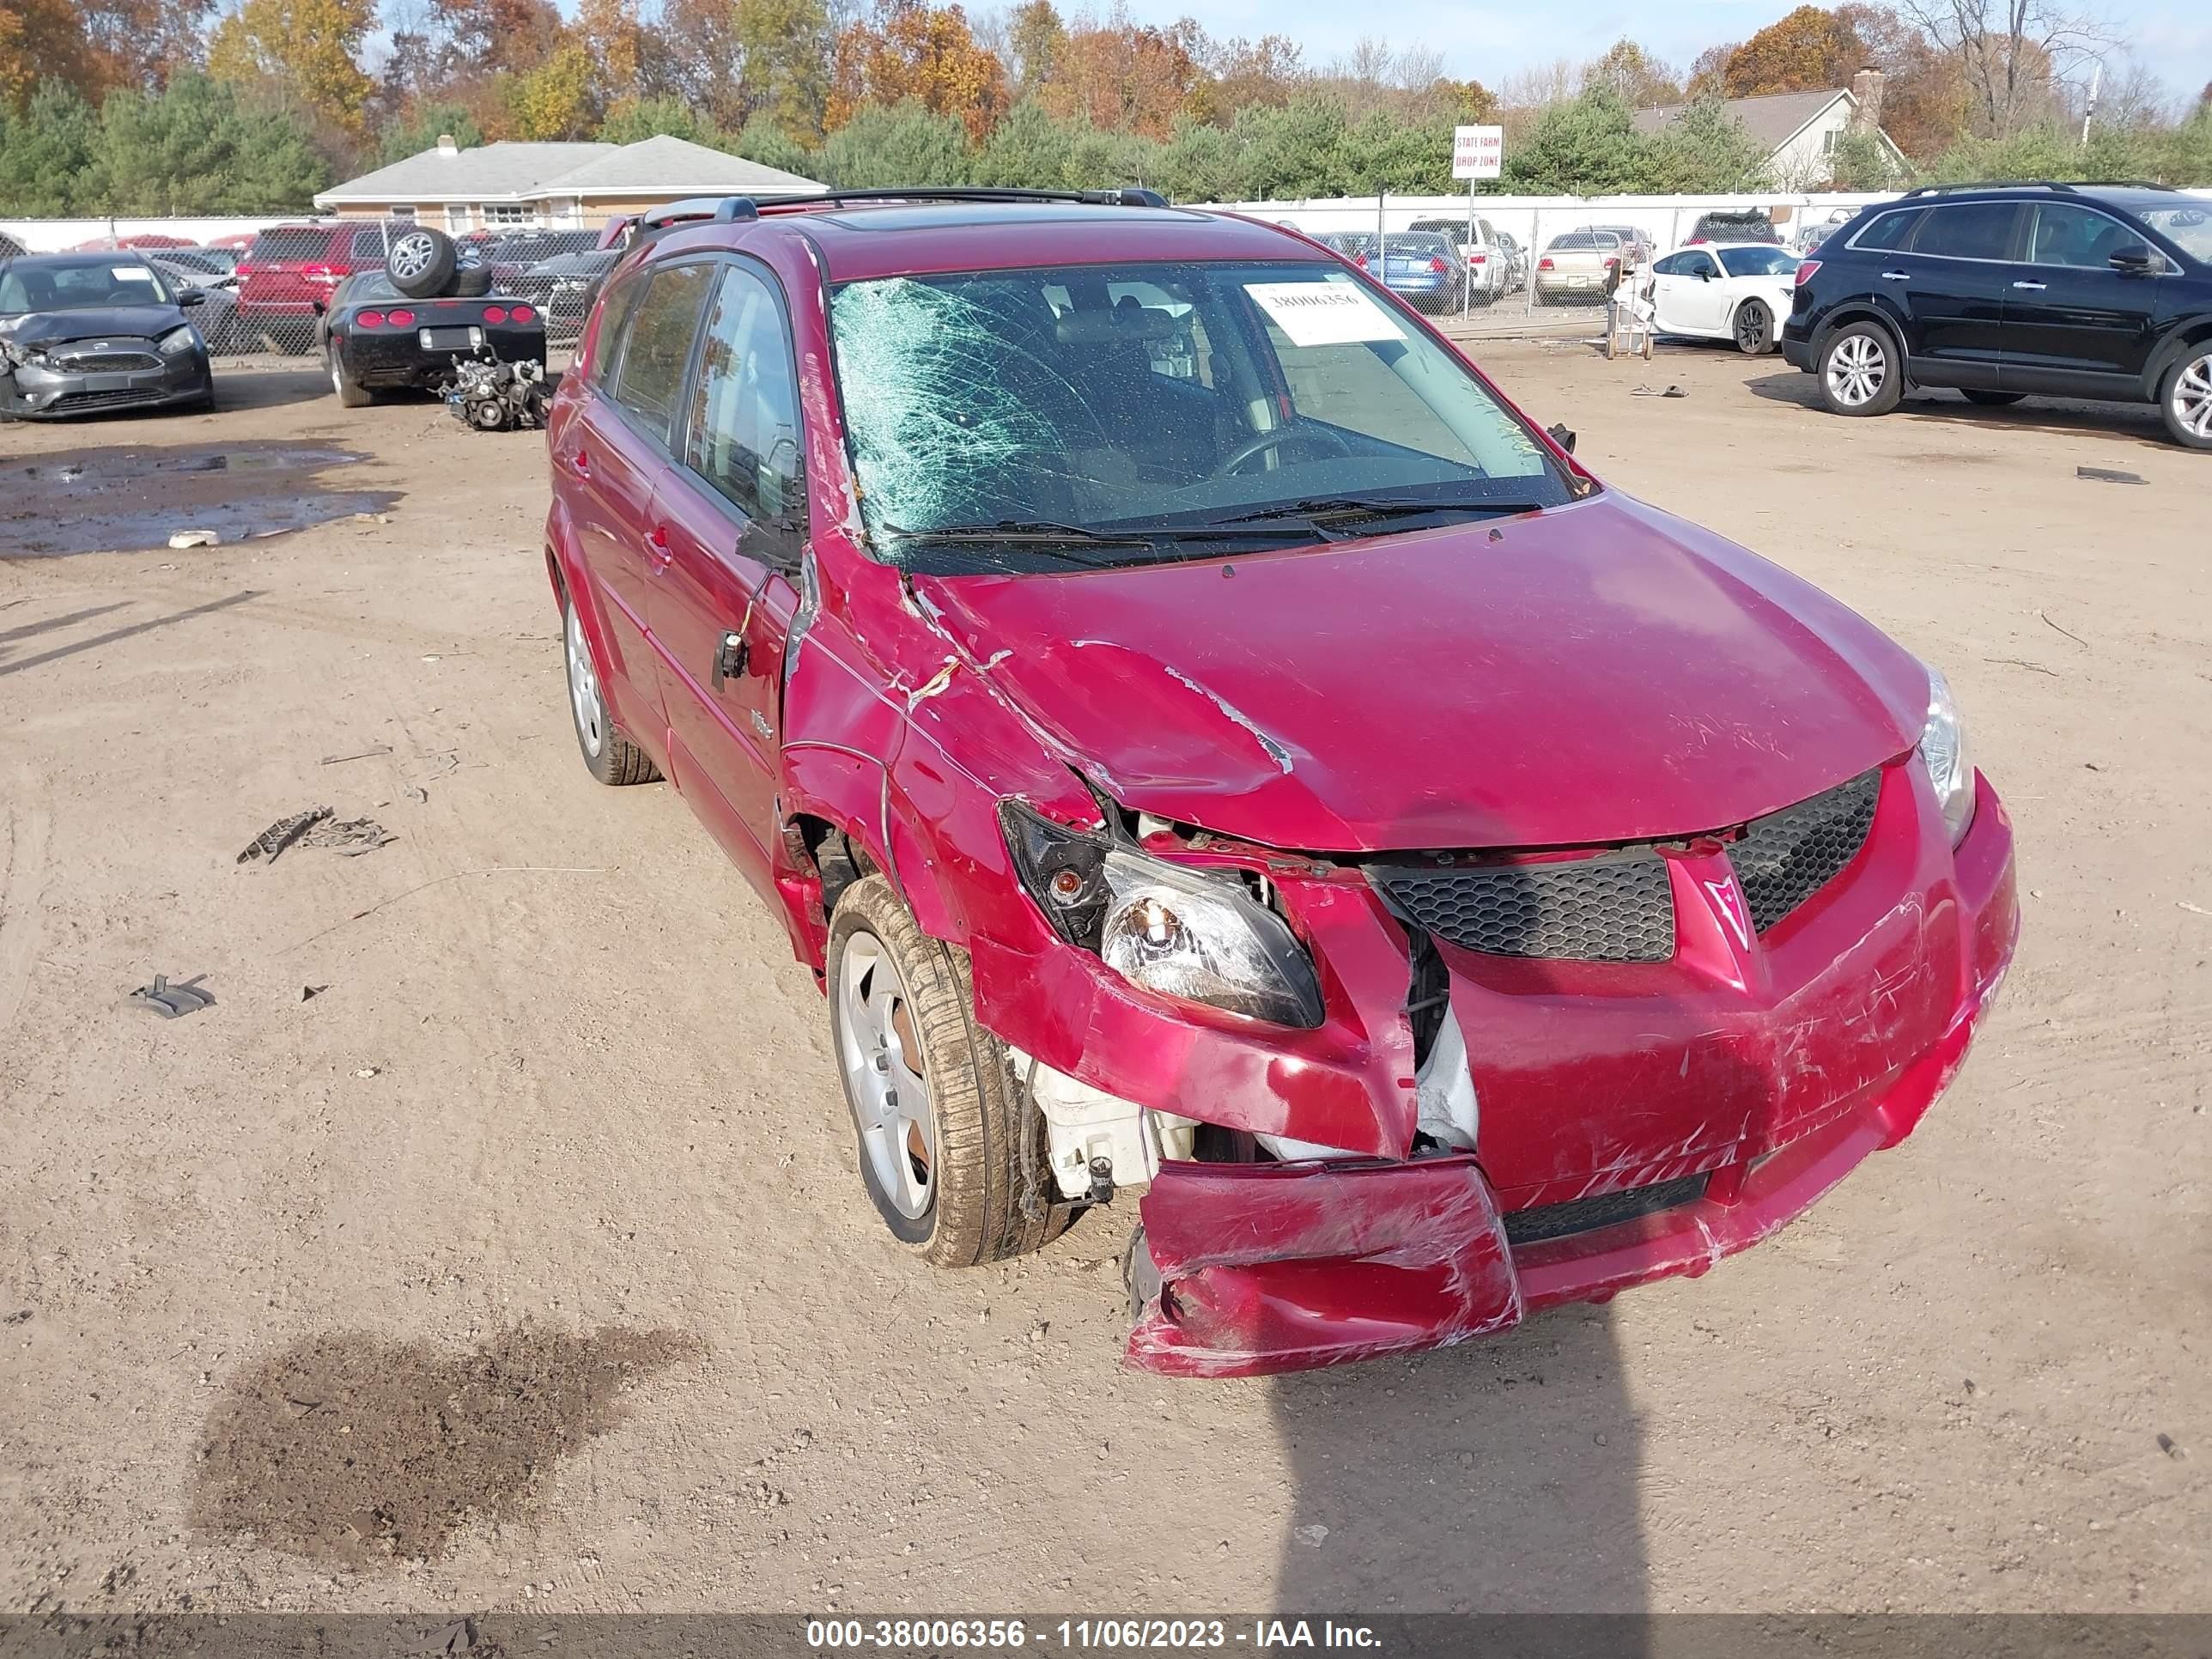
(84, 332)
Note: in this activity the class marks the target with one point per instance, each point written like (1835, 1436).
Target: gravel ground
(494, 1240)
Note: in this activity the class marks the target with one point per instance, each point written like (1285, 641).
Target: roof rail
(2065, 186)
(1129, 196)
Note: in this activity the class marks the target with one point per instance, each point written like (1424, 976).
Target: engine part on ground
(174, 1001)
(421, 262)
(496, 397)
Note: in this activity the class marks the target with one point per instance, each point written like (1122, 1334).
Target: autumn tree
(784, 47)
(1239, 73)
(1035, 34)
(1708, 76)
(555, 99)
(1633, 74)
(2007, 51)
(612, 34)
(1808, 50)
(42, 40)
(1125, 76)
(298, 55)
(495, 36)
(910, 50)
(694, 55)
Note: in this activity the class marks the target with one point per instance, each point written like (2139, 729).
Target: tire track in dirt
(22, 887)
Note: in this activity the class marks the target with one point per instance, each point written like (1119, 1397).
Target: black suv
(2070, 290)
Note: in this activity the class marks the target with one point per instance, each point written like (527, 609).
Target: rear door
(2075, 325)
(1687, 286)
(613, 456)
(1955, 280)
(733, 511)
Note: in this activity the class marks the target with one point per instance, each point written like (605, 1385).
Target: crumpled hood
(1600, 672)
(44, 328)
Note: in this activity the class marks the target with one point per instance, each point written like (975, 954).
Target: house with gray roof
(556, 186)
(1800, 130)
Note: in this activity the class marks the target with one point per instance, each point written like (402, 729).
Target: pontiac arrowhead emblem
(1728, 905)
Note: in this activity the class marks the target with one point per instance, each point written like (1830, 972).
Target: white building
(1800, 130)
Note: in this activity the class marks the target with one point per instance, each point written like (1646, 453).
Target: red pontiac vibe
(1209, 745)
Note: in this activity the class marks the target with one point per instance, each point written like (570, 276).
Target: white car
(1738, 291)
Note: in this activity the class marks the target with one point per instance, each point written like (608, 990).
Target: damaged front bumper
(34, 391)
(1635, 1122)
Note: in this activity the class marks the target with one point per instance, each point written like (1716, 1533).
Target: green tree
(1029, 149)
(1404, 157)
(903, 144)
(1861, 161)
(787, 47)
(46, 152)
(1586, 148)
(1201, 163)
(421, 129)
(1296, 151)
(1704, 148)
(1105, 161)
(649, 117)
(766, 142)
(196, 149)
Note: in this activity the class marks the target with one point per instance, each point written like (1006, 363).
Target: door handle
(580, 465)
(656, 549)
(1896, 277)
(2033, 287)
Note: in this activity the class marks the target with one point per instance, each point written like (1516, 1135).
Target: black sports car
(81, 332)
(374, 336)
(564, 287)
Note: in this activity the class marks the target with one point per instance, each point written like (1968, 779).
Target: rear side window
(300, 243)
(614, 314)
(1890, 231)
(1971, 230)
(743, 429)
(657, 349)
(369, 245)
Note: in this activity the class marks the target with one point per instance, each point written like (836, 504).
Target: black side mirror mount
(2137, 261)
(192, 296)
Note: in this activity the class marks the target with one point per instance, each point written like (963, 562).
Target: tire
(1992, 399)
(2185, 397)
(948, 1183)
(1752, 327)
(421, 262)
(608, 755)
(1862, 371)
(352, 394)
(470, 281)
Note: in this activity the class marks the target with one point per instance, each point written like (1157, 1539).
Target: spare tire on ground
(421, 262)
(470, 283)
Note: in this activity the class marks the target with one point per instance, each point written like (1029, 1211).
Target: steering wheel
(1302, 433)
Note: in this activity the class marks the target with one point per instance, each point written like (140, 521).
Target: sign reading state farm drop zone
(1478, 152)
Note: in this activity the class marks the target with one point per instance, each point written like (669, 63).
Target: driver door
(729, 524)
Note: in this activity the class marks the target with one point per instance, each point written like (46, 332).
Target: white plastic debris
(183, 538)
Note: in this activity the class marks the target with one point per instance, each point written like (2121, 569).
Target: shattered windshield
(1115, 414)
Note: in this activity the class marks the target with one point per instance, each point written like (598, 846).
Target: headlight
(1181, 931)
(1943, 750)
(178, 341)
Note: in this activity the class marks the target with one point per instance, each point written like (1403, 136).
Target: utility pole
(2096, 85)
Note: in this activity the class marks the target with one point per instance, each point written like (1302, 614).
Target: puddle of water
(121, 500)
(345, 1448)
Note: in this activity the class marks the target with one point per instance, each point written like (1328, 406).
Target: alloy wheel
(411, 255)
(1750, 328)
(879, 1051)
(2192, 398)
(584, 689)
(1856, 368)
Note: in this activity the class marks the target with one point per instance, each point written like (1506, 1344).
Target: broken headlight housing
(177, 341)
(1183, 932)
(1943, 750)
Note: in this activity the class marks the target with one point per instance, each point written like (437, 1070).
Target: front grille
(101, 399)
(1785, 858)
(1587, 1215)
(1613, 907)
(109, 362)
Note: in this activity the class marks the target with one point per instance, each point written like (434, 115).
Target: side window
(614, 315)
(1890, 231)
(1702, 264)
(369, 245)
(2075, 236)
(1971, 230)
(657, 345)
(744, 427)
(1674, 265)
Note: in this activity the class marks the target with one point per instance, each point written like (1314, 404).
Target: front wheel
(1754, 329)
(2185, 400)
(1861, 371)
(948, 1143)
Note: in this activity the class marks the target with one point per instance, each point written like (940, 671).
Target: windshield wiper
(1327, 509)
(1023, 530)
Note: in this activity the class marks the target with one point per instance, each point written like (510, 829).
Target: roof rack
(2064, 186)
(1128, 195)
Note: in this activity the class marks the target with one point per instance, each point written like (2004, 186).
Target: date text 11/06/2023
(990, 1636)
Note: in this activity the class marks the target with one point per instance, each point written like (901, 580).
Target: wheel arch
(1862, 311)
(842, 809)
(2180, 342)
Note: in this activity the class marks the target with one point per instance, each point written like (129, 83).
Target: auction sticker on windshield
(130, 273)
(1323, 313)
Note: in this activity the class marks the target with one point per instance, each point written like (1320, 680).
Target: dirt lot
(531, 1242)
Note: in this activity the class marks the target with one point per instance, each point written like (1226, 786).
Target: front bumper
(1284, 1267)
(39, 394)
